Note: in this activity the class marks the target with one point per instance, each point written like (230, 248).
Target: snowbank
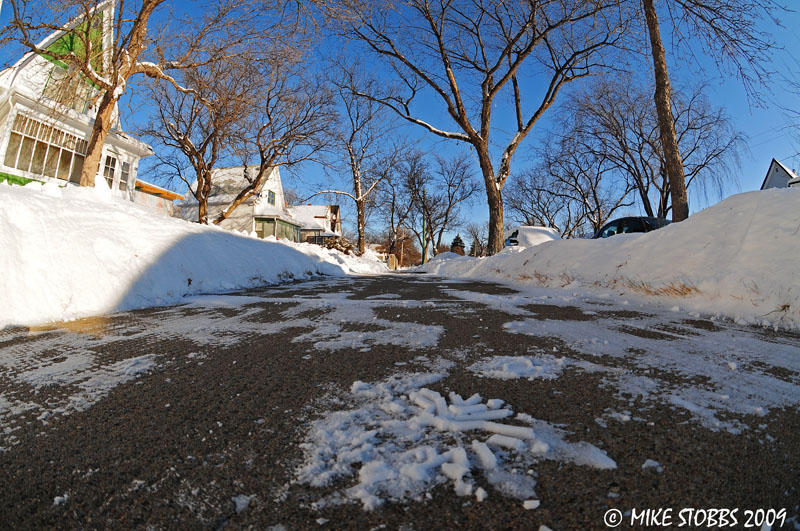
(529, 236)
(73, 252)
(737, 259)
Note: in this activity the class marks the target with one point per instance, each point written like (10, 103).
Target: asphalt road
(220, 396)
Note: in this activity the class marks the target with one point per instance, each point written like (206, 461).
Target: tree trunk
(202, 200)
(202, 212)
(495, 220)
(666, 124)
(100, 129)
(494, 200)
(360, 207)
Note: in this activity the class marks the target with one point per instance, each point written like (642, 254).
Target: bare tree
(478, 236)
(394, 199)
(470, 55)
(404, 249)
(286, 125)
(607, 155)
(614, 121)
(436, 198)
(109, 43)
(456, 186)
(201, 127)
(569, 190)
(728, 30)
(363, 147)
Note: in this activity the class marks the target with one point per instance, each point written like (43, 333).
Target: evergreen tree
(458, 245)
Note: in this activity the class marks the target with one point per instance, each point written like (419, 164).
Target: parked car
(629, 225)
(528, 236)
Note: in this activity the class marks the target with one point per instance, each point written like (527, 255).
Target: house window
(126, 173)
(68, 88)
(108, 170)
(264, 227)
(41, 149)
(271, 197)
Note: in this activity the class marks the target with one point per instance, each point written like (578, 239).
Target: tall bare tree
(607, 155)
(201, 127)
(471, 55)
(286, 125)
(728, 30)
(362, 147)
(568, 190)
(437, 196)
(394, 199)
(614, 121)
(110, 42)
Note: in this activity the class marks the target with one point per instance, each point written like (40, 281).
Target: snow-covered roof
(790, 172)
(312, 217)
(226, 183)
(791, 176)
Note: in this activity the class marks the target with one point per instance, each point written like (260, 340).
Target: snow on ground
(722, 373)
(512, 367)
(77, 376)
(404, 439)
(736, 259)
(73, 252)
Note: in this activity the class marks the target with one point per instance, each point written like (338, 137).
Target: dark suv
(628, 225)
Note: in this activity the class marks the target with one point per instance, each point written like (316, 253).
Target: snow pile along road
(73, 252)
(736, 259)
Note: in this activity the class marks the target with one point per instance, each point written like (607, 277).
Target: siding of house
(778, 176)
(46, 120)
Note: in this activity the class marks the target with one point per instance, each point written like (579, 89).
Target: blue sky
(769, 131)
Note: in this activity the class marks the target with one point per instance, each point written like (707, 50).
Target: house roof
(311, 216)
(226, 183)
(152, 189)
(791, 174)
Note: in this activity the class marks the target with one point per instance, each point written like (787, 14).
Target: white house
(779, 176)
(319, 222)
(266, 213)
(46, 118)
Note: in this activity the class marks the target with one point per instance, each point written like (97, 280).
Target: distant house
(779, 176)
(319, 222)
(265, 213)
(46, 119)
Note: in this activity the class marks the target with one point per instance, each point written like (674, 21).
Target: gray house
(779, 176)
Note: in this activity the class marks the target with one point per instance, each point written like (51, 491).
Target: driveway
(402, 401)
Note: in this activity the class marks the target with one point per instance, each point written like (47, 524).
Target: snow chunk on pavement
(398, 445)
(531, 504)
(241, 502)
(650, 464)
(60, 500)
(510, 367)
